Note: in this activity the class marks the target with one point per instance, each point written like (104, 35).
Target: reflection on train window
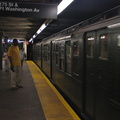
(46, 53)
(61, 52)
(103, 47)
(53, 46)
(75, 61)
(119, 40)
(76, 48)
(68, 56)
(90, 46)
(56, 48)
(57, 53)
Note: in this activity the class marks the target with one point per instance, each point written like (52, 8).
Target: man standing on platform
(15, 65)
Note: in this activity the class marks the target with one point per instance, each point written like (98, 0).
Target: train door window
(62, 55)
(90, 46)
(75, 58)
(48, 53)
(75, 48)
(57, 53)
(103, 47)
(68, 56)
(118, 40)
(45, 49)
(53, 46)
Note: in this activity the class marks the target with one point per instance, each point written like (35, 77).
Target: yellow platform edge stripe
(68, 107)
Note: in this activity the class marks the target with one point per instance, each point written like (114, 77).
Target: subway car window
(68, 56)
(62, 55)
(76, 48)
(61, 50)
(119, 40)
(90, 46)
(45, 57)
(46, 53)
(76, 58)
(57, 53)
(104, 47)
(57, 47)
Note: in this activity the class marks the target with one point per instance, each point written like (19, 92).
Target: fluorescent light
(30, 39)
(34, 36)
(41, 28)
(39, 31)
(20, 41)
(114, 25)
(63, 5)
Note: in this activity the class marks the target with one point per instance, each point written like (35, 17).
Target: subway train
(83, 62)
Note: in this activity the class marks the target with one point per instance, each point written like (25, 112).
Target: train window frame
(62, 55)
(46, 53)
(118, 43)
(57, 53)
(76, 51)
(101, 54)
(90, 38)
(68, 57)
(39, 52)
(75, 57)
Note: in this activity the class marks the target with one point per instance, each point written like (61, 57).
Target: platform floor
(37, 100)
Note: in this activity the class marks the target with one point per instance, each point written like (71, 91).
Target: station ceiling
(78, 11)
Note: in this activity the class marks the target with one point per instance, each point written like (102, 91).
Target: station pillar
(1, 50)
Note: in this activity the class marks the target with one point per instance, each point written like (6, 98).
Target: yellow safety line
(68, 107)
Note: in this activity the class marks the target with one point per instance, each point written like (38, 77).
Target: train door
(114, 85)
(52, 60)
(103, 71)
(90, 40)
(97, 74)
(113, 94)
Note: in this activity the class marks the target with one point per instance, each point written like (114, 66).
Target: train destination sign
(25, 9)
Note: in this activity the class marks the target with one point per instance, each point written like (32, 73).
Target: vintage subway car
(83, 62)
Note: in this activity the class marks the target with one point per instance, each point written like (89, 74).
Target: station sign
(25, 9)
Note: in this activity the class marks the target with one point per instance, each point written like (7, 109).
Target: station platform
(37, 100)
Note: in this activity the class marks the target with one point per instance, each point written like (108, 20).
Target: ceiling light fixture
(64, 4)
(41, 28)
